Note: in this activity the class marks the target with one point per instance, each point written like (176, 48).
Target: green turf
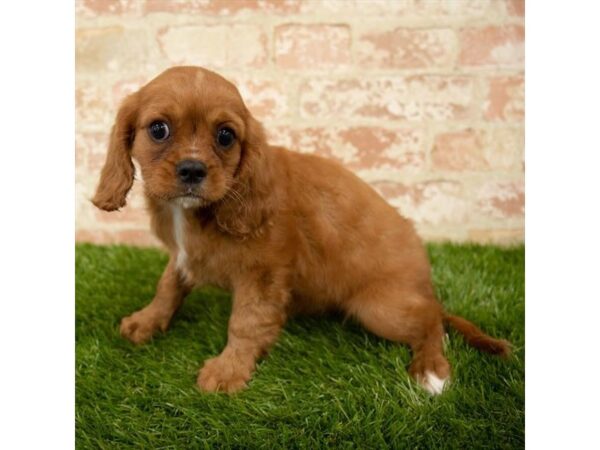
(324, 384)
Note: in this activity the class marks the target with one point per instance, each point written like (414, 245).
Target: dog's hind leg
(410, 318)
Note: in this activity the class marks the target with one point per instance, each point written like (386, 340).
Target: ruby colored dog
(286, 232)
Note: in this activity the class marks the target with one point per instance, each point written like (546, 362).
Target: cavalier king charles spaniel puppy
(286, 232)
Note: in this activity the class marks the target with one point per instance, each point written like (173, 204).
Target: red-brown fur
(286, 232)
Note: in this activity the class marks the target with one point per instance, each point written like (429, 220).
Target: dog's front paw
(141, 326)
(226, 373)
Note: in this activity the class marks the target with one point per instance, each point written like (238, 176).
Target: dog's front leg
(141, 325)
(258, 314)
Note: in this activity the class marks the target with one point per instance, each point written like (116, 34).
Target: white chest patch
(179, 236)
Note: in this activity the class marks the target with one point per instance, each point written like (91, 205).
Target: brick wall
(424, 99)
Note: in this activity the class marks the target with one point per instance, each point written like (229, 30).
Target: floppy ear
(116, 178)
(248, 210)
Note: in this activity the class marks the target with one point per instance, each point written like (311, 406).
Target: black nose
(191, 171)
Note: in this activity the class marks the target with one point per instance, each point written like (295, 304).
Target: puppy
(286, 232)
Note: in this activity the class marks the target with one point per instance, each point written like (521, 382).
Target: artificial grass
(325, 383)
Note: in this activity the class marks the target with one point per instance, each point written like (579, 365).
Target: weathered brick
(434, 202)
(501, 236)
(95, 161)
(223, 7)
(408, 98)
(247, 45)
(199, 45)
(266, 99)
(476, 116)
(381, 148)
(96, 105)
(505, 148)
(442, 9)
(361, 8)
(502, 46)
(126, 86)
(515, 7)
(358, 148)
(312, 46)
(115, 49)
(93, 8)
(93, 108)
(214, 46)
(91, 146)
(80, 152)
(138, 237)
(462, 150)
(463, 9)
(502, 199)
(79, 159)
(93, 236)
(406, 48)
(478, 150)
(505, 99)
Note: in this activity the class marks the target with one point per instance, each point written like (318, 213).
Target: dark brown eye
(159, 131)
(225, 137)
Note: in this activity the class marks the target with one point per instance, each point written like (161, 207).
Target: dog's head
(194, 139)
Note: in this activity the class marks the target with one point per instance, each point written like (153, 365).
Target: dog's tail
(477, 338)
